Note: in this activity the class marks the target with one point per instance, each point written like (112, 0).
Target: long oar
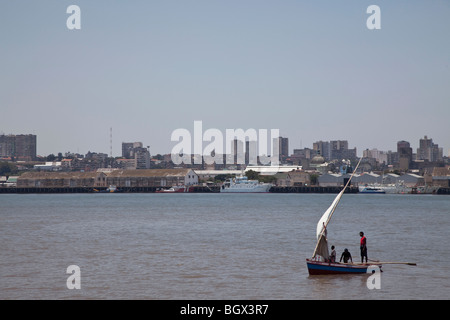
(395, 262)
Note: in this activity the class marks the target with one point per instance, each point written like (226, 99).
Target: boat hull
(243, 185)
(373, 190)
(262, 188)
(318, 268)
(176, 189)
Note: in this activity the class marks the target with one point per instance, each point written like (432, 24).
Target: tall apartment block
(283, 148)
(334, 150)
(20, 147)
(404, 153)
(135, 150)
(428, 150)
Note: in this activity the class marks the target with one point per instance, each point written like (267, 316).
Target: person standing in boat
(363, 247)
(333, 255)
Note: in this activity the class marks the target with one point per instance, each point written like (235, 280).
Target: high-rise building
(379, 156)
(128, 149)
(322, 148)
(283, 148)
(240, 155)
(19, 147)
(135, 150)
(404, 152)
(428, 150)
(335, 150)
(142, 157)
(251, 152)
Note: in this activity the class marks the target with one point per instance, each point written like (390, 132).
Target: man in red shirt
(363, 247)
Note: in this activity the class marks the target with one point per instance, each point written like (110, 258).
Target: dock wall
(195, 189)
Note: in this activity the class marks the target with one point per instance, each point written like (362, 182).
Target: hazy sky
(311, 69)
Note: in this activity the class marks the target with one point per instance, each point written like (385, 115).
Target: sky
(311, 69)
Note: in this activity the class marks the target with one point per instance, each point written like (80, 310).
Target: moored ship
(176, 189)
(368, 189)
(243, 184)
(398, 188)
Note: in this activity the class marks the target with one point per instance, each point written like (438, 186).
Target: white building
(49, 166)
(211, 174)
(367, 178)
(331, 180)
(271, 170)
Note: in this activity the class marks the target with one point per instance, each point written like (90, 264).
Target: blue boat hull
(317, 268)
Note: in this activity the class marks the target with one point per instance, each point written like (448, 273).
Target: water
(217, 246)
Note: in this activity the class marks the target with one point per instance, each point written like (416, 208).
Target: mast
(345, 187)
(328, 214)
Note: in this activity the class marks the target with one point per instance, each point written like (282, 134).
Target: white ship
(242, 184)
(399, 188)
(369, 189)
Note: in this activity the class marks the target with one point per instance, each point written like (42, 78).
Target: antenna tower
(110, 142)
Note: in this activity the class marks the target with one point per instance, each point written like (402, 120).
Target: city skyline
(25, 146)
(312, 70)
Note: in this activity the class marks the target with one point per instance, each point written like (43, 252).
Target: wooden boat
(318, 267)
(319, 262)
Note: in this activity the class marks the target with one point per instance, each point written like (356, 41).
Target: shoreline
(195, 189)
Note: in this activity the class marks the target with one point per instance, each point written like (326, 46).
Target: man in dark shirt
(346, 255)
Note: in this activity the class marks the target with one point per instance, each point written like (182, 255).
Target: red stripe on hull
(319, 268)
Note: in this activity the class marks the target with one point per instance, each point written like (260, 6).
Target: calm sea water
(217, 246)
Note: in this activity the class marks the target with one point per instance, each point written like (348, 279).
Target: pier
(312, 189)
(194, 189)
(443, 191)
(24, 190)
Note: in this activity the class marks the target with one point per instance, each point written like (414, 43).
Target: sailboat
(319, 263)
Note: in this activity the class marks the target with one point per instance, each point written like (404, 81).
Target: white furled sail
(327, 215)
(321, 230)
